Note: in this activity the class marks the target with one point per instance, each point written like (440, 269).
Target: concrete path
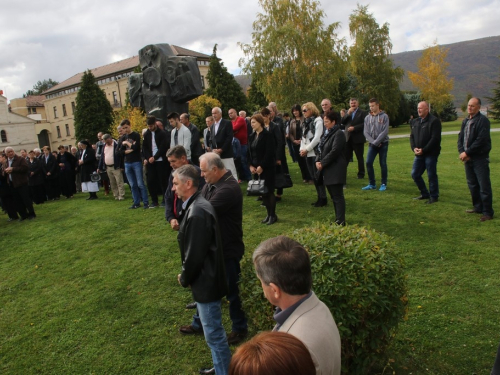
(443, 133)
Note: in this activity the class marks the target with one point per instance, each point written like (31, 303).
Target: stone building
(16, 131)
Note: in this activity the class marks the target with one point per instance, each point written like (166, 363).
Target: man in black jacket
(425, 141)
(474, 145)
(202, 263)
(222, 140)
(353, 123)
(224, 194)
(154, 150)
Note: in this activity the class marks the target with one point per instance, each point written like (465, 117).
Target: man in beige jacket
(284, 270)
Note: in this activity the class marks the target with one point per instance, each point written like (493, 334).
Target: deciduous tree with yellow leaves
(432, 77)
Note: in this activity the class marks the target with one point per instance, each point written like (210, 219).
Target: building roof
(118, 67)
(35, 100)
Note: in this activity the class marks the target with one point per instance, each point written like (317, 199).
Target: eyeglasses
(305, 110)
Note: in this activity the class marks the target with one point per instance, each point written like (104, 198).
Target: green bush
(358, 273)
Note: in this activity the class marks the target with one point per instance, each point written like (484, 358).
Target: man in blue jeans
(130, 146)
(425, 141)
(376, 131)
(202, 263)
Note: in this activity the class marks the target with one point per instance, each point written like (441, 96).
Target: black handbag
(256, 188)
(282, 179)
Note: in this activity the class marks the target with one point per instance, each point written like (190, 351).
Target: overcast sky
(58, 39)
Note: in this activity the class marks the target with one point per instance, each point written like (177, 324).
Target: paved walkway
(443, 133)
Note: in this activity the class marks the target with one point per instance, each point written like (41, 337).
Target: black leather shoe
(321, 203)
(315, 203)
(421, 197)
(191, 305)
(272, 220)
(341, 223)
(190, 330)
(431, 201)
(235, 338)
(265, 220)
(258, 199)
(209, 370)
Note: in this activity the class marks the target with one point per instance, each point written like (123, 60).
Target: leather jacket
(201, 251)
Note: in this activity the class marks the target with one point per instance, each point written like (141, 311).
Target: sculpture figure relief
(167, 81)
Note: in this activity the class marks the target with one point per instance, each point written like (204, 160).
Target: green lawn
(90, 287)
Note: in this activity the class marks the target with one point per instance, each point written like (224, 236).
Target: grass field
(90, 287)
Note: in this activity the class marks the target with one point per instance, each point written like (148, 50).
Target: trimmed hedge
(359, 274)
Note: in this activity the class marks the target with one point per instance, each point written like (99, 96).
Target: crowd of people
(197, 183)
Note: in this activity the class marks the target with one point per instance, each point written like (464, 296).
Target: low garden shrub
(359, 274)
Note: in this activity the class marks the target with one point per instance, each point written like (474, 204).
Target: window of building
(55, 112)
(3, 134)
(73, 107)
(115, 97)
(67, 130)
(58, 132)
(64, 110)
(33, 110)
(202, 82)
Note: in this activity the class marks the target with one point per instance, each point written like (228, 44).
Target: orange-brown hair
(276, 353)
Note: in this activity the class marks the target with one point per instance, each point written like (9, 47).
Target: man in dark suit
(16, 169)
(353, 124)
(222, 139)
(154, 149)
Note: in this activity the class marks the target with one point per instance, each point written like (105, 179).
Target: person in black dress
(331, 163)
(87, 167)
(35, 183)
(262, 160)
(67, 164)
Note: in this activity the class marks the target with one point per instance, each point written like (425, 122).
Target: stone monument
(167, 81)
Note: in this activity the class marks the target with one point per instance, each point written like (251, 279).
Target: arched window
(3, 133)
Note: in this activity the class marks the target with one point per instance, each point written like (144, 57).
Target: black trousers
(359, 150)
(337, 194)
(157, 178)
(22, 200)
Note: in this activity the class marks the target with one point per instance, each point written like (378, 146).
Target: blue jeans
(420, 164)
(246, 175)
(215, 336)
(477, 172)
(134, 177)
(236, 313)
(381, 151)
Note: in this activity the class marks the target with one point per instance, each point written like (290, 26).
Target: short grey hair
(213, 160)
(217, 109)
(188, 172)
(106, 136)
(284, 262)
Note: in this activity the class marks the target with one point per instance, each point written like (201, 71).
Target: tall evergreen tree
(370, 61)
(93, 113)
(256, 99)
(223, 86)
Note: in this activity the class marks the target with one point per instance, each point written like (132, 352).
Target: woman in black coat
(87, 167)
(262, 160)
(332, 164)
(35, 182)
(67, 164)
